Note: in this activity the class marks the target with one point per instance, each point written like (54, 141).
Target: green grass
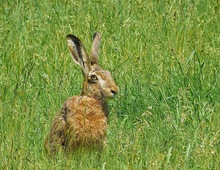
(165, 57)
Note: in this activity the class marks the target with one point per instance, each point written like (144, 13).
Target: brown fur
(82, 121)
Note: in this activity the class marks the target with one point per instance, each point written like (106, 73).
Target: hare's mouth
(111, 95)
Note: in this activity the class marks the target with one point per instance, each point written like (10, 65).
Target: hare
(82, 121)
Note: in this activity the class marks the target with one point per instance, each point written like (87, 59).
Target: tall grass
(165, 57)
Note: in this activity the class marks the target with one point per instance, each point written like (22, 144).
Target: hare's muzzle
(114, 91)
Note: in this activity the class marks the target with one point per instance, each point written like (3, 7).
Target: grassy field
(164, 56)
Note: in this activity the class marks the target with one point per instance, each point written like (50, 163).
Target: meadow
(164, 56)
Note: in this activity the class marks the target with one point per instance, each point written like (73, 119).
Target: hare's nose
(113, 92)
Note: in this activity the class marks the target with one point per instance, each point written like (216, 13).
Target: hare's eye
(94, 78)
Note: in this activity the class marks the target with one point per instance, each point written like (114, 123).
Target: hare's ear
(95, 48)
(79, 53)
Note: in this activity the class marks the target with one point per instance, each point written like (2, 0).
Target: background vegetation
(164, 55)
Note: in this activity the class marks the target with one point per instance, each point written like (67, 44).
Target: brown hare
(82, 122)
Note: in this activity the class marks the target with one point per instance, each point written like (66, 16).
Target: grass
(164, 57)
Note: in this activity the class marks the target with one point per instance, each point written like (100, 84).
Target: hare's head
(98, 83)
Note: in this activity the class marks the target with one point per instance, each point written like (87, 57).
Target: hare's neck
(87, 92)
(84, 88)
